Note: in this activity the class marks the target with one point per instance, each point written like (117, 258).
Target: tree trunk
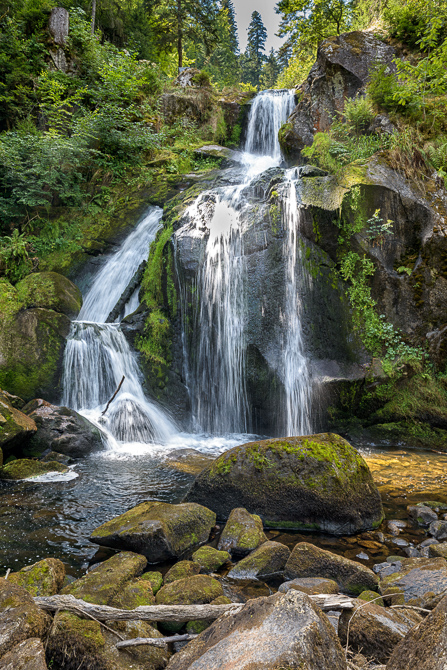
(93, 16)
(179, 33)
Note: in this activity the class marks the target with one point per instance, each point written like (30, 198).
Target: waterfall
(295, 370)
(216, 370)
(98, 356)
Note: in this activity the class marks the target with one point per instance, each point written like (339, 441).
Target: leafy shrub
(202, 78)
(358, 114)
(407, 20)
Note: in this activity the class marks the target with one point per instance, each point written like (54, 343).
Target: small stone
(438, 529)
(155, 579)
(371, 596)
(363, 556)
(265, 561)
(421, 515)
(242, 534)
(181, 570)
(412, 552)
(399, 542)
(426, 543)
(310, 585)
(435, 550)
(210, 559)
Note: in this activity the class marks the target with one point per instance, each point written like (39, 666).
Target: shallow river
(54, 518)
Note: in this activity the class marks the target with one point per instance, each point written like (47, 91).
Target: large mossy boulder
(307, 560)
(315, 482)
(342, 69)
(425, 646)
(266, 561)
(34, 324)
(374, 630)
(108, 580)
(159, 531)
(15, 427)
(20, 618)
(25, 468)
(62, 430)
(44, 578)
(281, 631)
(242, 534)
(421, 582)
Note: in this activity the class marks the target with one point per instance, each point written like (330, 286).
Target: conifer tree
(270, 71)
(254, 56)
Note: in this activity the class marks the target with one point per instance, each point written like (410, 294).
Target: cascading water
(218, 371)
(98, 356)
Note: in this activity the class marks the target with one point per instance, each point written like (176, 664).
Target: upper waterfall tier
(269, 111)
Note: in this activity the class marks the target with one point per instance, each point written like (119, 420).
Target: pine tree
(227, 5)
(254, 57)
(270, 71)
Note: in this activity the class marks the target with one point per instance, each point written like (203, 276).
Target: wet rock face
(281, 631)
(426, 645)
(421, 582)
(317, 482)
(341, 71)
(374, 630)
(158, 531)
(307, 560)
(62, 430)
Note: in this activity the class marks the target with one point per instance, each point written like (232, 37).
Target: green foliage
(254, 57)
(358, 114)
(377, 228)
(407, 20)
(337, 148)
(14, 255)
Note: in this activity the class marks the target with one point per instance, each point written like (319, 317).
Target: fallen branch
(154, 641)
(164, 613)
(168, 613)
(114, 395)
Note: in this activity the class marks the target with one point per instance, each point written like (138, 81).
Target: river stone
(74, 640)
(210, 559)
(196, 590)
(307, 560)
(181, 570)
(310, 585)
(157, 530)
(424, 647)
(24, 468)
(107, 580)
(44, 578)
(20, 618)
(27, 655)
(375, 630)
(155, 579)
(62, 430)
(421, 515)
(51, 290)
(15, 426)
(267, 560)
(438, 529)
(316, 482)
(133, 594)
(243, 532)
(421, 582)
(438, 550)
(371, 596)
(280, 631)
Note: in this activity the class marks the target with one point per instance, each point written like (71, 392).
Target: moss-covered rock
(62, 430)
(242, 534)
(20, 618)
(73, 639)
(281, 631)
(155, 579)
(371, 596)
(44, 578)
(27, 655)
(438, 550)
(107, 580)
(421, 582)
(375, 631)
(196, 590)
(133, 594)
(425, 646)
(310, 585)
(266, 561)
(210, 559)
(307, 560)
(181, 570)
(315, 482)
(157, 530)
(51, 290)
(15, 427)
(24, 468)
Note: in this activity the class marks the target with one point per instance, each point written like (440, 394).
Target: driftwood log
(168, 613)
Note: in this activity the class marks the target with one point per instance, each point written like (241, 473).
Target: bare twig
(114, 395)
(154, 641)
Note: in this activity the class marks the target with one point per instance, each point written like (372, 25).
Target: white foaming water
(98, 356)
(112, 280)
(295, 370)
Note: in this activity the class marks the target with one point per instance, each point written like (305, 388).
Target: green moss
(181, 570)
(155, 579)
(72, 624)
(27, 469)
(210, 559)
